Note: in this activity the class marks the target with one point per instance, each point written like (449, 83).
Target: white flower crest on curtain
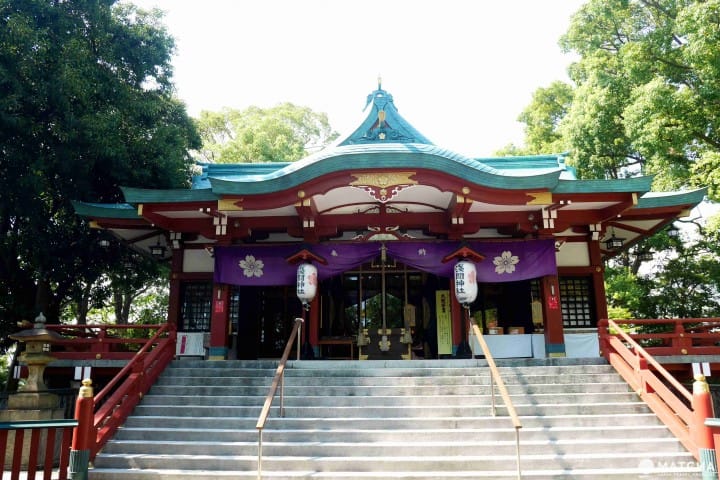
(252, 267)
(506, 262)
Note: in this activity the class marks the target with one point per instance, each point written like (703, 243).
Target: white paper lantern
(306, 282)
(466, 287)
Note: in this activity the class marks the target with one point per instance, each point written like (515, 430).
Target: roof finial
(379, 82)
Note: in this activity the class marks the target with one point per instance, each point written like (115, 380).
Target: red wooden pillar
(702, 434)
(83, 438)
(598, 281)
(313, 326)
(554, 336)
(219, 323)
(461, 348)
(176, 268)
(456, 311)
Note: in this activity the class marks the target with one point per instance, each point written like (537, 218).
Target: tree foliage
(86, 105)
(683, 282)
(542, 119)
(646, 93)
(645, 99)
(283, 133)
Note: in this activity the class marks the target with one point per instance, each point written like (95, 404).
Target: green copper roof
(634, 184)
(526, 162)
(670, 199)
(383, 124)
(146, 195)
(106, 210)
(373, 156)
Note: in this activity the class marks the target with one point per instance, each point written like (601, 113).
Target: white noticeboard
(190, 344)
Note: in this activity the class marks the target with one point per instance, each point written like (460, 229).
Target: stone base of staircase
(411, 420)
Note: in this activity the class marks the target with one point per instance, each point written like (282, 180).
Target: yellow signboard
(444, 322)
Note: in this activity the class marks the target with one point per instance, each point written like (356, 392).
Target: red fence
(667, 337)
(40, 450)
(94, 342)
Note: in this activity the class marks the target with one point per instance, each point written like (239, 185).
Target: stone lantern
(33, 402)
(33, 395)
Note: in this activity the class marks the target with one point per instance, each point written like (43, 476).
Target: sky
(460, 71)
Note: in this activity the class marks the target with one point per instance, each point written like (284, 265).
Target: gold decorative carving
(383, 186)
(229, 205)
(540, 198)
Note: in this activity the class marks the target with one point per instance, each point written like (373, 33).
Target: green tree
(647, 91)
(283, 133)
(645, 100)
(86, 106)
(543, 117)
(683, 280)
(543, 120)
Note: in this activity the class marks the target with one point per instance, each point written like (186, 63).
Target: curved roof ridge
(393, 156)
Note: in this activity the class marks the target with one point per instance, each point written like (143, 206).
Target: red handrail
(128, 387)
(660, 390)
(116, 400)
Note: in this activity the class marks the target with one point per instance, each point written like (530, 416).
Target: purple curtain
(503, 262)
(263, 265)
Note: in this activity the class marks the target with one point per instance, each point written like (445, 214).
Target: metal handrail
(279, 378)
(496, 378)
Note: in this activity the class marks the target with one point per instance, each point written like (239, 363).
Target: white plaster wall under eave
(573, 254)
(198, 261)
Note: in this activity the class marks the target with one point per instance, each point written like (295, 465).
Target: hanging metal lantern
(466, 287)
(306, 286)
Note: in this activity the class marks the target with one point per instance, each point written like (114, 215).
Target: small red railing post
(643, 373)
(83, 435)
(680, 343)
(702, 434)
(604, 334)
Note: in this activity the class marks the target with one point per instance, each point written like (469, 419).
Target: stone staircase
(411, 420)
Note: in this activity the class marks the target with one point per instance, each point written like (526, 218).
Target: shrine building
(382, 216)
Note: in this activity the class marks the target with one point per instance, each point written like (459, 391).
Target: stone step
(350, 466)
(366, 390)
(418, 420)
(384, 411)
(477, 400)
(420, 446)
(385, 381)
(645, 471)
(604, 432)
(375, 368)
(418, 363)
(581, 420)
